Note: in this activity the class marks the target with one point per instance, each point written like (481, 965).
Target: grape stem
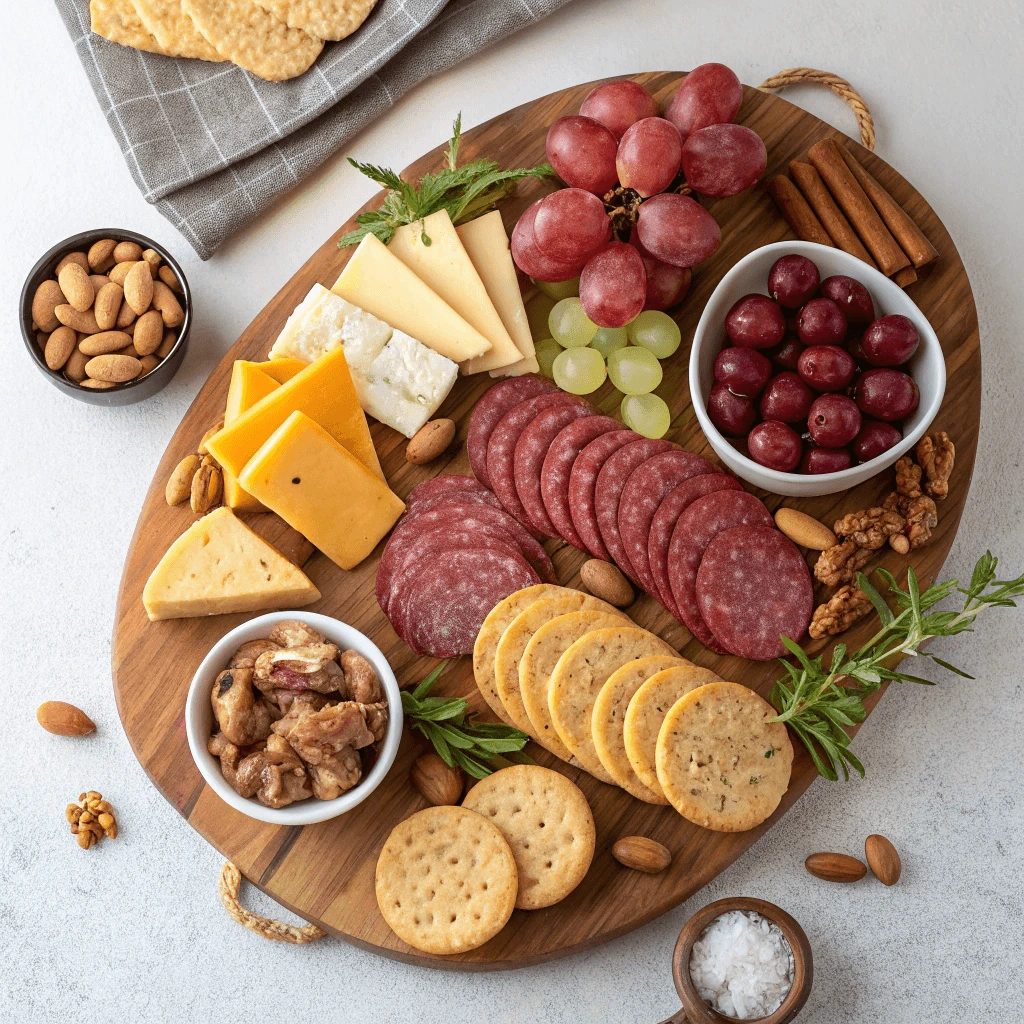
(623, 206)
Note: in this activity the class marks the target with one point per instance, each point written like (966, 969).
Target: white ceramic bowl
(199, 719)
(928, 367)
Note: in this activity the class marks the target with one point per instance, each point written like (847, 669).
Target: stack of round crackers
(274, 39)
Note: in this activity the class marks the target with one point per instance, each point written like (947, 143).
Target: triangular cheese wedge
(218, 566)
(282, 370)
(248, 385)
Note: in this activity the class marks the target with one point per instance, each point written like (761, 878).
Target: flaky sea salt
(742, 965)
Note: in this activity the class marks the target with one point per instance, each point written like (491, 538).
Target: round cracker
(519, 632)
(606, 723)
(491, 631)
(325, 19)
(722, 762)
(119, 21)
(579, 676)
(174, 30)
(646, 713)
(546, 821)
(446, 880)
(538, 662)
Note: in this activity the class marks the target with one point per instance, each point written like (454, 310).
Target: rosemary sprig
(474, 746)
(819, 704)
(465, 192)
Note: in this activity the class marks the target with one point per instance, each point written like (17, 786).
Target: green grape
(579, 370)
(569, 325)
(559, 289)
(634, 370)
(655, 331)
(609, 340)
(547, 352)
(646, 414)
(537, 311)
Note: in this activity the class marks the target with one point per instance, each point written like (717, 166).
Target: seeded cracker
(326, 19)
(118, 21)
(174, 29)
(253, 38)
(547, 823)
(446, 880)
(721, 762)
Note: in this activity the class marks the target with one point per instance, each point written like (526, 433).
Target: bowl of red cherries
(810, 371)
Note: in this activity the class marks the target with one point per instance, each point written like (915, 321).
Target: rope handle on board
(228, 885)
(840, 86)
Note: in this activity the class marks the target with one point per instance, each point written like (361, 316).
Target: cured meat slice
(754, 587)
(582, 480)
(531, 448)
(447, 595)
(671, 508)
(557, 468)
(497, 401)
(704, 520)
(443, 486)
(608, 490)
(501, 447)
(642, 495)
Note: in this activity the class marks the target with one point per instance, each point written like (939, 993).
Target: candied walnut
(275, 775)
(842, 610)
(246, 655)
(312, 667)
(908, 477)
(841, 562)
(376, 716)
(221, 747)
(336, 774)
(921, 515)
(292, 633)
(361, 682)
(283, 700)
(315, 733)
(241, 718)
(936, 457)
(870, 528)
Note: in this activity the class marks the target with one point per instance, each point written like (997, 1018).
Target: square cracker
(326, 19)
(119, 21)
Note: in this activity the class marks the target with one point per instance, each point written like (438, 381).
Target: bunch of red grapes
(619, 139)
(811, 378)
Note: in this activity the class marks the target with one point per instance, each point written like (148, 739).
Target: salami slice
(671, 508)
(608, 490)
(528, 460)
(443, 486)
(582, 481)
(497, 401)
(704, 520)
(753, 587)
(642, 495)
(501, 446)
(557, 468)
(448, 595)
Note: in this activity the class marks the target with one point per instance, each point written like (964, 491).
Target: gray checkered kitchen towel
(212, 146)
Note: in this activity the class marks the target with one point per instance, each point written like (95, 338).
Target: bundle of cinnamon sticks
(834, 201)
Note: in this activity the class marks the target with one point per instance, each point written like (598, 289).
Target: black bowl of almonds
(106, 315)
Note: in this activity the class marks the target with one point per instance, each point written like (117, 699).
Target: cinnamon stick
(838, 227)
(897, 220)
(829, 163)
(908, 275)
(798, 214)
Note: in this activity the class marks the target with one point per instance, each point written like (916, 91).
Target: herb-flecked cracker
(446, 880)
(325, 19)
(722, 762)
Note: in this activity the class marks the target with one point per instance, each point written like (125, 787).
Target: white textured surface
(134, 929)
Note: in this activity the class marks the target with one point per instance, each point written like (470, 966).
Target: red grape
(824, 460)
(723, 160)
(890, 340)
(618, 104)
(648, 156)
(786, 398)
(792, 281)
(875, 438)
(826, 367)
(787, 355)
(710, 94)
(775, 445)
(571, 225)
(528, 257)
(755, 321)
(821, 322)
(886, 394)
(677, 229)
(731, 414)
(666, 285)
(582, 152)
(851, 297)
(743, 371)
(834, 421)
(613, 285)
(856, 349)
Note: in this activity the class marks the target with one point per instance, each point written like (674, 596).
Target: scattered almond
(101, 255)
(883, 859)
(63, 719)
(74, 283)
(900, 543)
(642, 854)
(804, 530)
(169, 278)
(607, 582)
(104, 342)
(107, 305)
(113, 368)
(138, 287)
(206, 489)
(215, 429)
(47, 298)
(835, 867)
(59, 347)
(167, 302)
(436, 782)
(430, 441)
(72, 257)
(85, 322)
(127, 252)
(179, 484)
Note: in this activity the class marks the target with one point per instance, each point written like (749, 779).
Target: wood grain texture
(325, 872)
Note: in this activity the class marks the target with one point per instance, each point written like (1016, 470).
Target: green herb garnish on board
(461, 741)
(465, 192)
(818, 704)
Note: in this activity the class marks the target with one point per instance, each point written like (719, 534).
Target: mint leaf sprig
(465, 192)
(819, 704)
(466, 742)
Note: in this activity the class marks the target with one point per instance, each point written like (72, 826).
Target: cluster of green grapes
(579, 355)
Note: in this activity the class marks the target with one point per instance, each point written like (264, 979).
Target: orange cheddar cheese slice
(282, 370)
(248, 385)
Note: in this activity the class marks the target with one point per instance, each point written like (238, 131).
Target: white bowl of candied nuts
(294, 718)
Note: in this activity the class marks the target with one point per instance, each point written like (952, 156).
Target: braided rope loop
(228, 885)
(841, 87)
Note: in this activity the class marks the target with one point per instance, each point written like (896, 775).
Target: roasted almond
(47, 298)
(149, 332)
(74, 368)
(436, 782)
(642, 854)
(804, 530)
(72, 257)
(118, 273)
(179, 483)
(152, 257)
(605, 581)
(96, 385)
(104, 342)
(74, 283)
(127, 252)
(138, 287)
(430, 441)
(883, 859)
(206, 489)
(167, 302)
(170, 339)
(108, 305)
(215, 429)
(149, 362)
(126, 317)
(101, 255)
(41, 338)
(59, 347)
(98, 281)
(169, 278)
(835, 867)
(63, 719)
(78, 320)
(113, 368)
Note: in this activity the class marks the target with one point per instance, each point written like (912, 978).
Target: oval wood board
(325, 872)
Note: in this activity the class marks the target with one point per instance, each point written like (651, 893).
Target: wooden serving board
(325, 872)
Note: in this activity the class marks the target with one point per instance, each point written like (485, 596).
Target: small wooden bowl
(695, 1010)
